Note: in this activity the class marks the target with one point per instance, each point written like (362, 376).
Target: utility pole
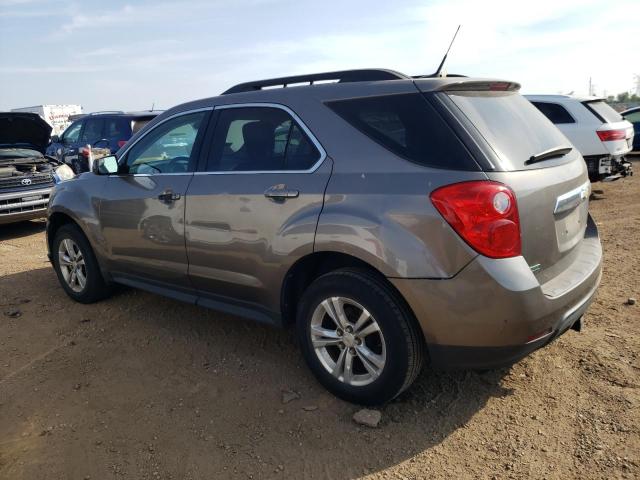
(590, 87)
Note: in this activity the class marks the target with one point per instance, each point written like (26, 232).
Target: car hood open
(20, 129)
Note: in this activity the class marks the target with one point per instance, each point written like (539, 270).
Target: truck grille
(37, 179)
(26, 204)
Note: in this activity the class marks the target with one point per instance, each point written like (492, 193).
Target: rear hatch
(615, 133)
(526, 152)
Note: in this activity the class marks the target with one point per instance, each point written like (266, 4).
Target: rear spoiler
(481, 86)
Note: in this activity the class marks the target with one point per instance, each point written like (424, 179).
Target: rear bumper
(495, 312)
(24, 205)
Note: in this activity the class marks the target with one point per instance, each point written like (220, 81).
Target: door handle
(168, 196)
(281, 192)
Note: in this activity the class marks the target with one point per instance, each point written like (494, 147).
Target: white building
(55, 115)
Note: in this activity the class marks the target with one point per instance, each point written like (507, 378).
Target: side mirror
(55, 139)
(105, 165)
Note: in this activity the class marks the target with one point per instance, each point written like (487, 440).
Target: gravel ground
(140, 387)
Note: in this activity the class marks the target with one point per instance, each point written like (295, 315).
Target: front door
(142, 207)
(252, 210)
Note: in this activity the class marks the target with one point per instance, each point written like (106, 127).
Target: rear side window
(260, 139)
(408, 126)
(603, 111)
(554, 112)
(511, 125)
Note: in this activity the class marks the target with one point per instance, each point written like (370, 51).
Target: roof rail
(105, 111)
(344, 76)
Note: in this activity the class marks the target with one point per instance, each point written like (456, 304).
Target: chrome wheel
(348, 341)
(72, 265)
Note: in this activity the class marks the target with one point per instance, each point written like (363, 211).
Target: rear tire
(373, 352)
(77, 267)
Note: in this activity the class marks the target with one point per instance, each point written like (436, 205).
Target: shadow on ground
(21, 229)
(147, 387)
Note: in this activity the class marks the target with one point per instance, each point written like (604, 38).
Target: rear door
(252, 210)
(552, 193)
(142, 207)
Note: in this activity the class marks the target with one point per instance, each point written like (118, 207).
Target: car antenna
(438, 72)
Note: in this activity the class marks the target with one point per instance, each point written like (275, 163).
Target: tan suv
(389, 218)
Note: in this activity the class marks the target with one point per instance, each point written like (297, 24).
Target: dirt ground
(143, 387)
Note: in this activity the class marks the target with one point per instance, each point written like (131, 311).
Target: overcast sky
(131, 54)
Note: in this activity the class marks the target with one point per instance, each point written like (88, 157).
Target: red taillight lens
(84, 151)
(610, 135)
(484, 214)
(121, 143)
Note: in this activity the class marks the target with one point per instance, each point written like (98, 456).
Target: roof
(329, 86)
(118, 113)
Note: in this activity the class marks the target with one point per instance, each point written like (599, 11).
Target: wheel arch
(308, 268)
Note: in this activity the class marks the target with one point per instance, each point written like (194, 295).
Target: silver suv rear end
(386, 217)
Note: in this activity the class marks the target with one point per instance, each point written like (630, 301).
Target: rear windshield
(512, 126)
(408, 126)
(603, 111)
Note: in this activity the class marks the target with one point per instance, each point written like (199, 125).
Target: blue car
(633, 115)
(109, 130)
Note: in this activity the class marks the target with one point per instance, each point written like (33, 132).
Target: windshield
(512, 126)
(603, 111)
(17, 153)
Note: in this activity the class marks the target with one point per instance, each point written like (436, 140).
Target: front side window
(554, 112)
(72, 134)
(168, 148)
(260, 139)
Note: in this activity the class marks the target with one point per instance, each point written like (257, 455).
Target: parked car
(105, 130)
(633, 115)
(26, 175)
(396, 217)
(600, 133)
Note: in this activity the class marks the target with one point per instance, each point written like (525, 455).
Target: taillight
(610, 135)
(484, 214)
(84, 151)
(121, 143)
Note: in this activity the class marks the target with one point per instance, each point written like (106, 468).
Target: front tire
(358, 337)
(76, 266)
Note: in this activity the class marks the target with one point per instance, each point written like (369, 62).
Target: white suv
(601, 134)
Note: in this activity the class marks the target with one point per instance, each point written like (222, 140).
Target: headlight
(62, 173)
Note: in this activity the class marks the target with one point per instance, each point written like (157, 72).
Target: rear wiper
(547, 154)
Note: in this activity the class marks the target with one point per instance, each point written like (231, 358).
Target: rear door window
(92, 131)
(260, 139)
(603, 111)
(408, 126)
(554, 112)
(511, 125)
(117, 129)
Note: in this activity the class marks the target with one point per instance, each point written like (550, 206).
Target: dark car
(391, 219)
(106, 130)
(26, 175)
(633, 115)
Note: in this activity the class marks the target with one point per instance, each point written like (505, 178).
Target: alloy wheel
(72, 265)
(348, 341)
